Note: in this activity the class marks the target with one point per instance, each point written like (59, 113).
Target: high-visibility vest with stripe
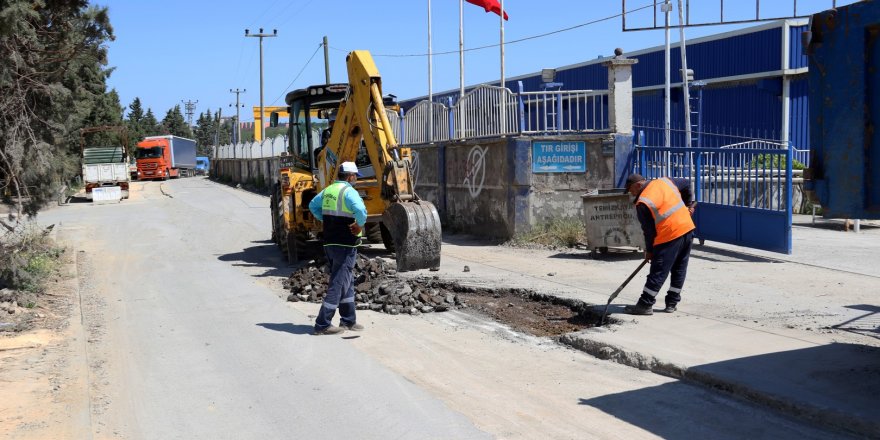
(338, 216)
(671, 217)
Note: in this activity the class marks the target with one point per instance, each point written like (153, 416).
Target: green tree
(106, 112)
(150, 124)
(135, 123)
(52, 80)
(175, 125)
(204, 132)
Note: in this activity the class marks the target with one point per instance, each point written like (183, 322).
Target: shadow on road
(265, 255)
(867, 324)
(718, 255)
(287, 327)
(835, 385)
(609, 256)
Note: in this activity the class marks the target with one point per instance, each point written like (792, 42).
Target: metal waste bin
(610, 220)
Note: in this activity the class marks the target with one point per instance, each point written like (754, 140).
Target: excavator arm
(414, 224)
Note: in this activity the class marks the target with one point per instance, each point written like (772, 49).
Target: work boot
(353, 327)
(670, 308)
(332, 330)
(639, 309)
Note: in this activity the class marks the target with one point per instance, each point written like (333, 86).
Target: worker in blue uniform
(664, 208)
(343, 214)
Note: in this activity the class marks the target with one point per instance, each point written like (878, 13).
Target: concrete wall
(487, 187)
(246, 170)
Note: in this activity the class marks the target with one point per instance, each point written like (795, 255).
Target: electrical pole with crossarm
(238, 106)
(261, 35)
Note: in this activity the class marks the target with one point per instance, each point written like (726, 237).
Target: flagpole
(460, 61)
(430, 81)
(504, 103)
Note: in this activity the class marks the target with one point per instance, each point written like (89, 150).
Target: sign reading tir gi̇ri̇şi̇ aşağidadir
(559, 157)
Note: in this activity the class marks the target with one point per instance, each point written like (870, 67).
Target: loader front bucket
(415, 230)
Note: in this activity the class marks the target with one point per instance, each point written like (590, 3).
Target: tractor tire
(292, 249)
(274, 208)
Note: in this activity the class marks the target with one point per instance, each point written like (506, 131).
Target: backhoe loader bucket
(415, 230)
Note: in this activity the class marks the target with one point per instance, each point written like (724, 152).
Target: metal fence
(489, 111)
(252, 150)
(648, 133)
(563, 111)
(418, 129)
(483, 112)
(753, 175)
(396, 121)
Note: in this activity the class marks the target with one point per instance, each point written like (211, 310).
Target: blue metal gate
(743, 191)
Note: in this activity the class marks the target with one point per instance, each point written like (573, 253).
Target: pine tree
(150, 124)
(107, 111)
(175, 125)
(135, 123)
(53, 78)
(204, 132)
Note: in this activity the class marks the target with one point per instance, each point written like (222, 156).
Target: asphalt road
(190, 338)
(194, 348)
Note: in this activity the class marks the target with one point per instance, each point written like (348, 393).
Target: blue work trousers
(670, 257)
(340, 291)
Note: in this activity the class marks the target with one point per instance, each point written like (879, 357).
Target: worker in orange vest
(664, 208)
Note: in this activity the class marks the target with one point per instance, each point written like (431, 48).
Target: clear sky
(168, 51)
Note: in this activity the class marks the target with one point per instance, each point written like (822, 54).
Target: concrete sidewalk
(797, 332)
(830, 383)
(815, 376)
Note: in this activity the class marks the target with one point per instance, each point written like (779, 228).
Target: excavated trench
(379, 288)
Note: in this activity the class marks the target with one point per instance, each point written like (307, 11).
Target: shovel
(617, 292)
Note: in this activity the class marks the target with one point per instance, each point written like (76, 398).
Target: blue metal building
(755, 85)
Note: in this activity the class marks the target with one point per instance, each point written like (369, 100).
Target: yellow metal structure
(396, 215)
(258, 119)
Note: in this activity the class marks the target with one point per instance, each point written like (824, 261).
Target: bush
(563, 232)
(27, 258)
(775, 161)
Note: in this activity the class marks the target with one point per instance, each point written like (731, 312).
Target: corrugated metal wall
(751, 108)
(797, 58)
(799, 122)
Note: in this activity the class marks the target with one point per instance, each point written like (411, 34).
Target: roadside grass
(28, 258)
(558, 233)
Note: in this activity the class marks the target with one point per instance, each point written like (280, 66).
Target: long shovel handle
(631, 276)
(617, 292)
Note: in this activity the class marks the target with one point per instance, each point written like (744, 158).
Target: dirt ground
(526, 313)
(42, 364)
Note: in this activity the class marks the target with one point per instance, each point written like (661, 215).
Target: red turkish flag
(489, 6)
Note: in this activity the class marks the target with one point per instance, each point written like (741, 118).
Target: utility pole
(189, 109)
(326, 60)
(261, 35)
(217, 126)
(236, 134)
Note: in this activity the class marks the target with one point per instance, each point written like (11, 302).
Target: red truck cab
(161, 157)
(154, 159)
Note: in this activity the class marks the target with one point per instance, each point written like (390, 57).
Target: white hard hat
(350, 167)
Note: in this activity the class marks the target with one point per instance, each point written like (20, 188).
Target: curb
(825, 417)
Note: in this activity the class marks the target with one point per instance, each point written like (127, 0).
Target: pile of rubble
(377, 287)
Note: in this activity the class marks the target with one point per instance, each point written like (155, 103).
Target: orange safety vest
(671, 217)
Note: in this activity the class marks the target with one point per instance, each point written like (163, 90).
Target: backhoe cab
(335, 123)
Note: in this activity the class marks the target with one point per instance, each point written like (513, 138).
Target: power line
(520, 40)
(300, 73)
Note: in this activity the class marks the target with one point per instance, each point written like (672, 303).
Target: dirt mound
(377, 287)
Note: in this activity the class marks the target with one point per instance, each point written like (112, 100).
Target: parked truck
(203, 164)
(164, 157)
(105, 168)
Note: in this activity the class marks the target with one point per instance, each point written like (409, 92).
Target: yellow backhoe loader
(352, 120)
